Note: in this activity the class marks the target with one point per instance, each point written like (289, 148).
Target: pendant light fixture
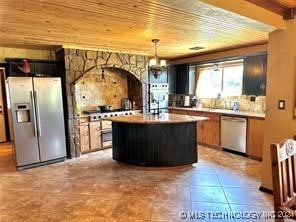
(156, 66)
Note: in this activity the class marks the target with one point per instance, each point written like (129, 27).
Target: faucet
(157, 102)
(216, 100)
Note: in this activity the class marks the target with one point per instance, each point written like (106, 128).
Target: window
(226, 80)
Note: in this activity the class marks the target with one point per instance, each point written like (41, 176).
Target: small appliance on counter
(187, 101)
(126, 104)
(104, 108)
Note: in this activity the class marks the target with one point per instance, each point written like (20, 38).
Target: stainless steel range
(95, 115)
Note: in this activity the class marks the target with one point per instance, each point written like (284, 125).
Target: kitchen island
(155, 140)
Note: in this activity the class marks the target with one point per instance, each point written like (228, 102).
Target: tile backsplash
(245, 102)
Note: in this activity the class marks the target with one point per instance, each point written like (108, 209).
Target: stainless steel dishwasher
(234, 133)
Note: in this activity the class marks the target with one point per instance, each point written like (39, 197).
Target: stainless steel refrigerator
(38, 120)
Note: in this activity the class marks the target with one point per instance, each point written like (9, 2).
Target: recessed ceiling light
(196, 48)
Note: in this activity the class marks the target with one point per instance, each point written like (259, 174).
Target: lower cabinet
(255, 138)
(84, 137)
(208, 131)
(95, 135)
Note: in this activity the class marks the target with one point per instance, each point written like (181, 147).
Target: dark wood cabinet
(254, 80)
(37, 67)
(185, 79)
(172, 79)
(182, 81)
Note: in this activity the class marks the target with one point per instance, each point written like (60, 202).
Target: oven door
(107, 138)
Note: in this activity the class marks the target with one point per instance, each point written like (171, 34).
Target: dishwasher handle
(233, 119)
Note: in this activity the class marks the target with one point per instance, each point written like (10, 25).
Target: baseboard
(266, 190)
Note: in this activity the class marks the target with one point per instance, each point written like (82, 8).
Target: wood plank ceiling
(126, 25)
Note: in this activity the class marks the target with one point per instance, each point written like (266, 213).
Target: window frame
(222, 65)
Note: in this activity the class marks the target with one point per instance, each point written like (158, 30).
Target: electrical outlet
(281, 104)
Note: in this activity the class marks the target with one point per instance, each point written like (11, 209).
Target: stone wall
(81, 64)
(92, 91)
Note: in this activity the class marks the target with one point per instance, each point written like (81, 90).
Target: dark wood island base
(157, 141)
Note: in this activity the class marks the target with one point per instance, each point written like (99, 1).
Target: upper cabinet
(254, 80)
(172, 78)
(37, 67)
(182, 79)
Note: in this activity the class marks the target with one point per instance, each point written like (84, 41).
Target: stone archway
(105, 85)
(78, 61)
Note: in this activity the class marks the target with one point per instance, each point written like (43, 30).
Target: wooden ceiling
(127, 25)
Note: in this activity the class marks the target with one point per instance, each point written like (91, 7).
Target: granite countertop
(163, 118)
(222, 111)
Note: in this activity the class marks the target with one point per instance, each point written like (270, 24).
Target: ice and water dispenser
(22, 112)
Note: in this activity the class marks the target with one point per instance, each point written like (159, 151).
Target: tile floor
(96, 188)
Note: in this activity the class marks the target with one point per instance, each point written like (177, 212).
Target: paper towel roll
(187, 101)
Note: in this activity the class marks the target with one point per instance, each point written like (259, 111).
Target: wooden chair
(283, 157)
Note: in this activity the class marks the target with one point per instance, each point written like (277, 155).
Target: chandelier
(156, 66)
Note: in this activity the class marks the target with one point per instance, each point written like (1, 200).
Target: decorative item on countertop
(236, 105)
(25, 68)
(156, 66)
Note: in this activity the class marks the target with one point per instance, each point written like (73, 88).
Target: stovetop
(106, 111)
(95, 115)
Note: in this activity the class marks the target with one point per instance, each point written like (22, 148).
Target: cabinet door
(254, 80)
(255, 138)
(95, 135)
(182, 81)
(84, 137)
(211, 133)
(172, 79)
(200, 132)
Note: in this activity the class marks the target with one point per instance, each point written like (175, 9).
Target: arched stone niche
(77, 62)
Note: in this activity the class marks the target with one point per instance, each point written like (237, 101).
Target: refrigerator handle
(34, 113)
(38, 114)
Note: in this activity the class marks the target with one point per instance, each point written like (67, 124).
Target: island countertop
(163, 118)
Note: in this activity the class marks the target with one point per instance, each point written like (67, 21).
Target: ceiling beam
(290, 14)
(270, 5)
(276, 7)
(247, 9)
